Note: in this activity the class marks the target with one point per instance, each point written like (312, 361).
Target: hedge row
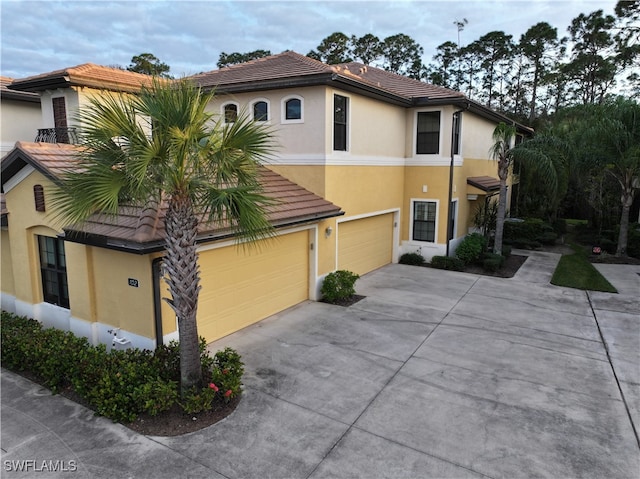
(118, 384)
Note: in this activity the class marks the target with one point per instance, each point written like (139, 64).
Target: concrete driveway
(434, 374)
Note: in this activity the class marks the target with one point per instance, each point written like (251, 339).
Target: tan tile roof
(485, 183)
(87, 74)
(292, 65)
(145, 225)
(5, 92)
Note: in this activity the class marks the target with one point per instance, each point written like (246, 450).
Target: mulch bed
(509, 268)
(173, 422)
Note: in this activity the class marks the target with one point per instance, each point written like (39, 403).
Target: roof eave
(75, 236)
(17, 95)
(41, 84)
(474, 107)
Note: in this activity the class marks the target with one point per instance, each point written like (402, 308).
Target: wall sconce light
(328, 231)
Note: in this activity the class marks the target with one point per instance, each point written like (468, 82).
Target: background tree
(334, 49)
(402, 55)
(592, 68)
(628, 42)
(367, 48)
(148, 64)
(538, 45)
(228, 59)
(163, 149)
(493, 48)
(444, 70)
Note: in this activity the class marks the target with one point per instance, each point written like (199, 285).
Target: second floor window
(293, 109)
(340, 123)
(230, 113)
(260, 111)
(457, 119)
(428, 133)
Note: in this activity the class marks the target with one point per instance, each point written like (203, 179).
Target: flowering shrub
(117, 384)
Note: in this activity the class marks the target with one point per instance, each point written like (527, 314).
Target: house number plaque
(133, 282)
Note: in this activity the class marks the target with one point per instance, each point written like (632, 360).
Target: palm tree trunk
(183, 278)
(502, 209)
(627, 200)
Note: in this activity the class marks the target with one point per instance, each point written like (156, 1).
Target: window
(293, 109)
(457, 119)
(60, 119)
(260, 111)
(53, 267)
(452, 221)
(424, 221)
(428, 133)
(38, 198)
(339, 123)
(230, 112)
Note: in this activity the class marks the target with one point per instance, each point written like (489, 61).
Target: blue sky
(41, 36)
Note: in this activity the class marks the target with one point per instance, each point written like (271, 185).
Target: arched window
(261, 111)
(230, 112)
(293, 109)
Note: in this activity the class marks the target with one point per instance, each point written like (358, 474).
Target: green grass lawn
(575, 271)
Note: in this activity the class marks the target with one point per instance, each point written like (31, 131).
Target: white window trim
(411, 220)
(258, 100)
(283, 109)
(333, 123)
(222, 107)
(415, 134)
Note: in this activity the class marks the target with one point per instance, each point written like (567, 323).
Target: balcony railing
(57, 135)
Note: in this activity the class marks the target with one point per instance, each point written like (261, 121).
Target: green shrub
(117, 384)
(227, 373)
(447, 262)
(531, 229)
(339, 285)
(560, 226)
(471, 248)
(415, 259)
(548, 237)
(492, 262)
(506, 250)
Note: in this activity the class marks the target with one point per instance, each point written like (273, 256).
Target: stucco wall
(19, 121)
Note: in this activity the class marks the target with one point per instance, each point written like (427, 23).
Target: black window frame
(428, 140)
(291, 114)
(261, 116)
(230, 113)
(457, 121)
(53, 270)
(423, 229)
(340, 122)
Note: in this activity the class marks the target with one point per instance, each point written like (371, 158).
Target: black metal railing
(57, 135)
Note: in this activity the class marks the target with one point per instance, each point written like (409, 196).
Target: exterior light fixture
(328, 231)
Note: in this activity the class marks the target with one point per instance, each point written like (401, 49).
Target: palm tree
(162, 148)
(502, 152)
(613, 129)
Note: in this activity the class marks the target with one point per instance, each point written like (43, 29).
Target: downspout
(453, 138)
(157, 300)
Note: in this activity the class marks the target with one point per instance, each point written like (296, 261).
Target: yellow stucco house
(370, 165)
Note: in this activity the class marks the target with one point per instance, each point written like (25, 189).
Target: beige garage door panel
(241, 287)
(365, 244)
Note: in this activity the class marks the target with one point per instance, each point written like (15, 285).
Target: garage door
(241, 287)
(365, 244)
